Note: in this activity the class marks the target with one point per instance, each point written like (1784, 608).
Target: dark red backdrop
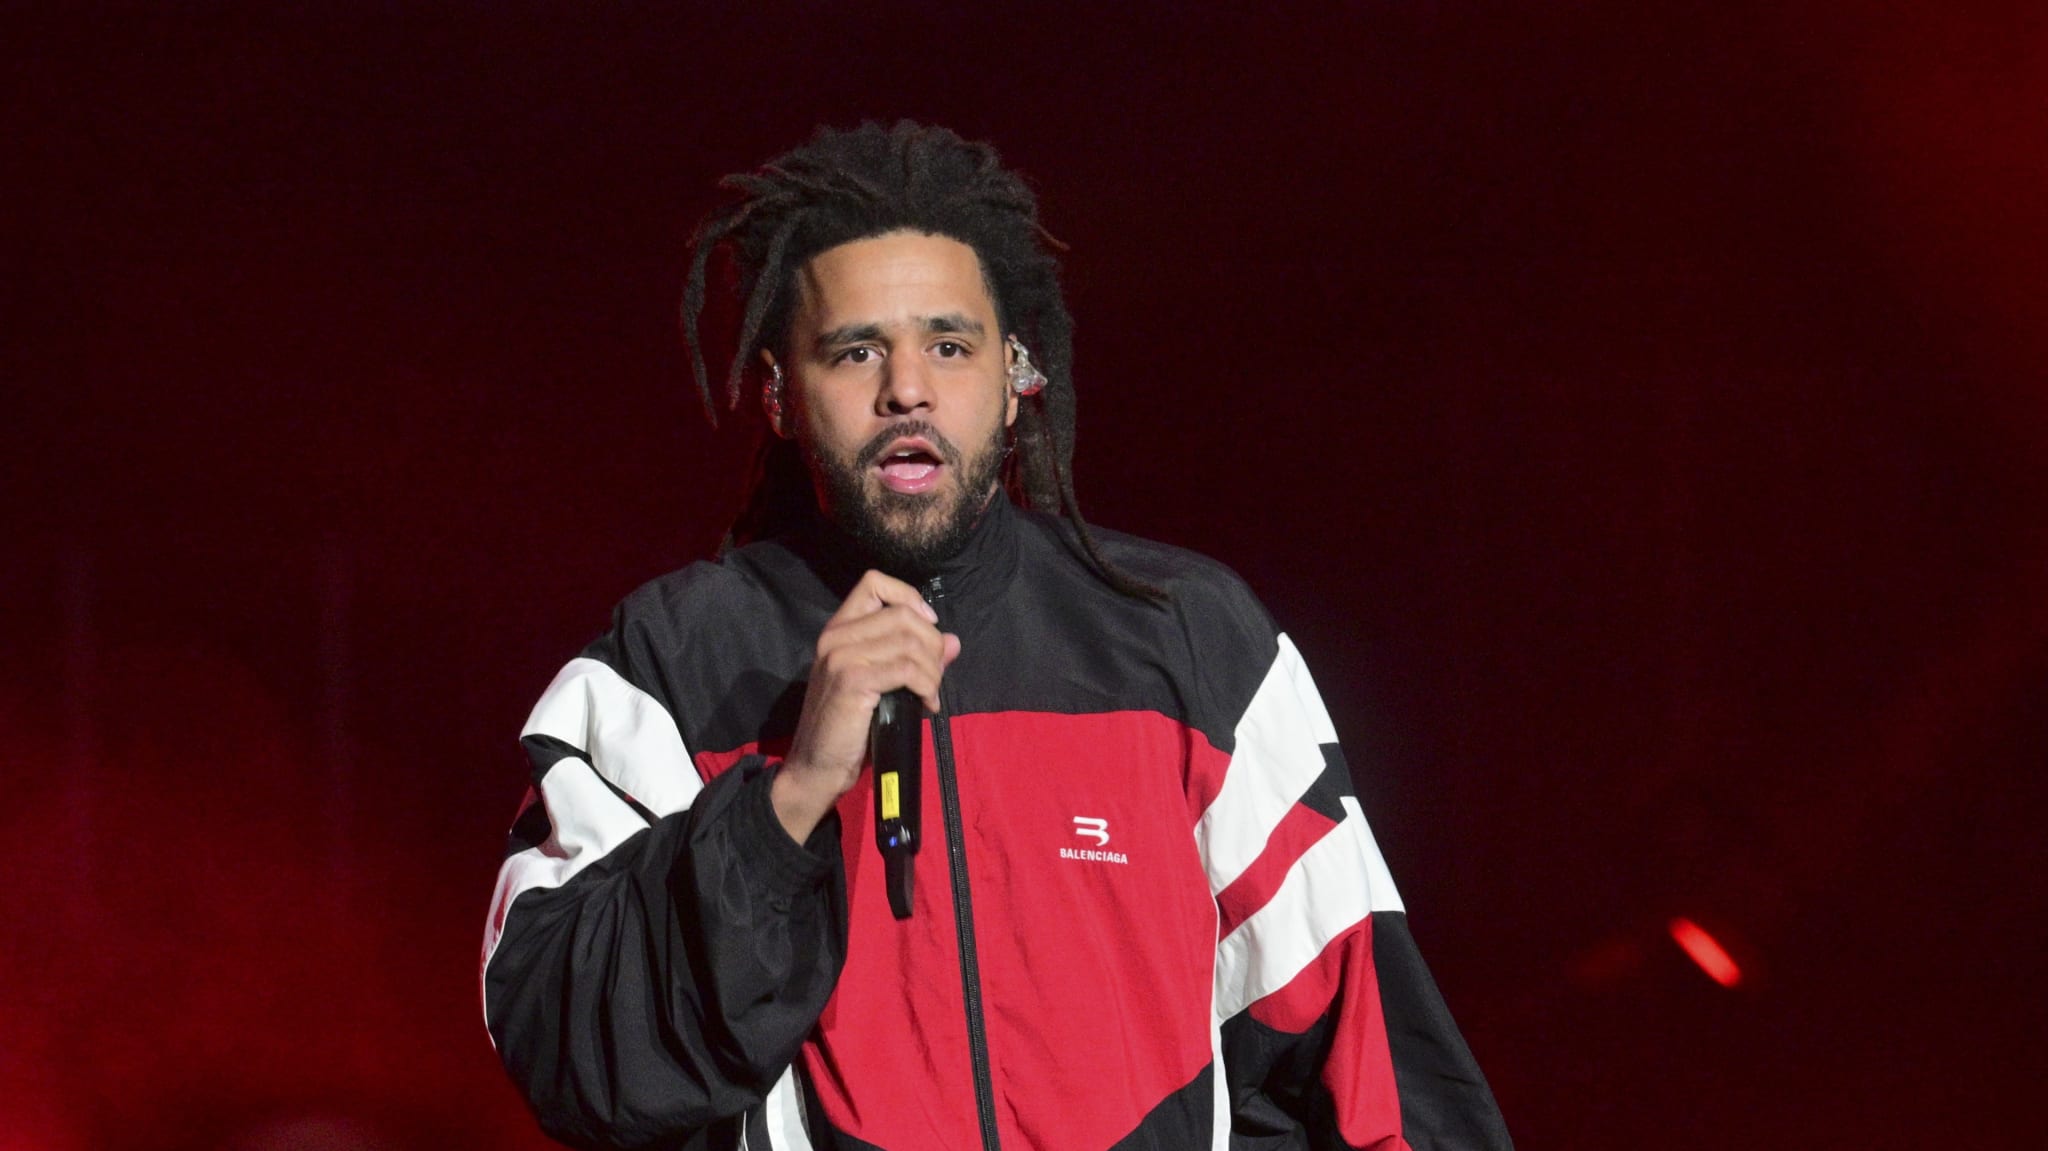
(1634, 411)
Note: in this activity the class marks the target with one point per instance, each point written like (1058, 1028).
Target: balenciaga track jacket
(1148, 911)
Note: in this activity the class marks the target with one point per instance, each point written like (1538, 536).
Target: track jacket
(1148, 911)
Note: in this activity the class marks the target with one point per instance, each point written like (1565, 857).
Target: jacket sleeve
(1333, 1033)
(658, 947)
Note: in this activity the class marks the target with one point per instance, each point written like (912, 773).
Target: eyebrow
(953, 322)
(932, 326)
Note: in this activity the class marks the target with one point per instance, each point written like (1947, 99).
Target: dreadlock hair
(852, 185)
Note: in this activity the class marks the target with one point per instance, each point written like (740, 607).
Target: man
(1147, 911)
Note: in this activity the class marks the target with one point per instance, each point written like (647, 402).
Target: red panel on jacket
(1095, 933)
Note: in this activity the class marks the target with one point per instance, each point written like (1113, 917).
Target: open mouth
(909, 467)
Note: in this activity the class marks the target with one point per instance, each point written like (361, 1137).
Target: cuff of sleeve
(790, 868)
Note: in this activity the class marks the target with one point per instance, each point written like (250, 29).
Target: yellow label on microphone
(892, 801)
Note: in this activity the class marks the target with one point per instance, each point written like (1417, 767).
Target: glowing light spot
(1704, 950)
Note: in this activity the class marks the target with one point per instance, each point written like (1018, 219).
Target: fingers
(862, 673)
(877, 592)
(882, 632)
(884, 636)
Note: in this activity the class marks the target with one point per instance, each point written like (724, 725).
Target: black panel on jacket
(530, 830)
(1281, 1104)
(1277, 1096)
(1445, 1102)
(545, 751)
(692, 960)
(1326, 795)
(1184, 1119)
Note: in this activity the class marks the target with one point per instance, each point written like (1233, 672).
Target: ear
(774, 401)
(1010, 396)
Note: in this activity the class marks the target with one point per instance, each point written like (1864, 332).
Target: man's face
(898, 393)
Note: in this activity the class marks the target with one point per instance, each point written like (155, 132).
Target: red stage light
(1705, 951)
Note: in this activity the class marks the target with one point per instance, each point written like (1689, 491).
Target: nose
(906, 387)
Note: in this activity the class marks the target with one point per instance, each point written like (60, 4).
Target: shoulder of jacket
(710, 591)
(1214, 603)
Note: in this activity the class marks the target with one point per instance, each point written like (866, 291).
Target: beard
(907, 535)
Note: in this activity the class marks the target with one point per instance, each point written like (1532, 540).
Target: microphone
(895, 748)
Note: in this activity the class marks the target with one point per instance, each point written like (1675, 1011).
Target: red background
(1635, 412)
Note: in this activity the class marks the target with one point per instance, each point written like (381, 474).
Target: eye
(857, 355)
(949, 349)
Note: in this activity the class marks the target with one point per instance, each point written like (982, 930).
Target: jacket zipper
(963, 906)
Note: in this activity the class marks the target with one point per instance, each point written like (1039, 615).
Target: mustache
(871, 453)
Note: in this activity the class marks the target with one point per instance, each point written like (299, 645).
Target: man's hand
(883, 637)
